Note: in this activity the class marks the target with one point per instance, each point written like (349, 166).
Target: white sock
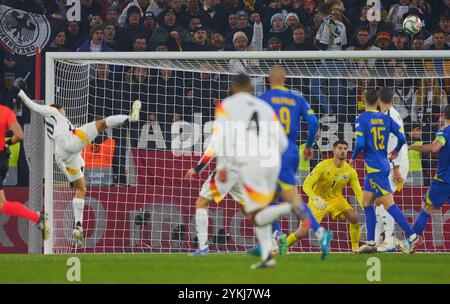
(389, 224)
(264, 236)
(319, 233)
(78, 206)
(115, 120)
(201, 224)
(269, 214)
(379, 227)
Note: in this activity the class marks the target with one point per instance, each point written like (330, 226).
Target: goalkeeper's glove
(319, 202)
(19, 84)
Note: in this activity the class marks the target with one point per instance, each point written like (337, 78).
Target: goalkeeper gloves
(319, 202)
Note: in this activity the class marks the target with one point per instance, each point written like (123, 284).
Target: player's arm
(308, 184)
(41, 109)
(356, 187)
(434, 147)
(401, 139)
(359, 142)
(15, 128)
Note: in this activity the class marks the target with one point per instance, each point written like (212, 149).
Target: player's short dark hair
(241, 81)
(362, 28)
(447, 112)
(340, 142)
(324, 8)
(385, 95)
(56, 106)
(371, 96)
(438, 31)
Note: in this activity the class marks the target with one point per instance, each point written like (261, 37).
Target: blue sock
(421, 222)
(400, 218)
(371, 222)
(276, 227)
(314, 223)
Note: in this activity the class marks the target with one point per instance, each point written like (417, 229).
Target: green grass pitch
(224, 268)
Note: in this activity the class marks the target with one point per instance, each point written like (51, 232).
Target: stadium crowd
(240, 25)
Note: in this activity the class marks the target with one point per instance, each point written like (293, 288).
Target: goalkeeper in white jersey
(248, 135)
(397, 176)
(68, 142)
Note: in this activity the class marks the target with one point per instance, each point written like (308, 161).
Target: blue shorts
(378, 183)
(438, 194)
(289, 165)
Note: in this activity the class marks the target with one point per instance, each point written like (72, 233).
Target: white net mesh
(138, 199)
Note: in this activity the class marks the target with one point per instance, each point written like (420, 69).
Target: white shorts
(403, 171)
(71, 165)
(216, 191)
(259, 184)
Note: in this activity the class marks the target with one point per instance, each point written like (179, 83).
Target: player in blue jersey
(372, 134)
(290, 108)
(439, 190)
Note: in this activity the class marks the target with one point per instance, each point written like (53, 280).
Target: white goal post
(138, 201)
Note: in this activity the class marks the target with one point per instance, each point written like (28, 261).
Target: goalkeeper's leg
(303, 228)
(353, 229)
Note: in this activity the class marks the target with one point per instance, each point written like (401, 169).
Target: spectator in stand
(232, 23)
(193, 9)
(285, 7)
(132, 28)
(241, 26)
(383, 41)
(95, 20)
(178, 8)
(96, 43)
(444, 25)
(58, 44)
(141, 5)
(309, 10)
(362, 40)
(400, 41)
(439, 44)
(199, 43)
(274, 44)
(425, 9)
(292, 20)
(300, 40)
(218, 42)
(73, 35)
(169, 34)
(161, 48)
(418, 43)
(110, 32)
(279, 29)
(89, 8)
(337, 13)
(396, 13)
(233, 6)
(140, 43)
(193, 23)
(149, 22)
(112, 14)
(217, 14)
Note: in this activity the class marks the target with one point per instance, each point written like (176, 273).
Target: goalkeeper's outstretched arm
(43, 110)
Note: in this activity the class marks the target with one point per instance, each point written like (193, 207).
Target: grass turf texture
(224, 268)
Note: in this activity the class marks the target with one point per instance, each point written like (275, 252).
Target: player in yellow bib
(324, 189)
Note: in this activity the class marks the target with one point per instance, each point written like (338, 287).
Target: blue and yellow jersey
(443, 170)
(372, 135)
(290, 109)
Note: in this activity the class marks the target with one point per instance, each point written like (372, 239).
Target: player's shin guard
(116, 120)
(400, 218)
(18, 209)
(271, 213)
(354, 235)
(78, 206)
(371, 221)
(264, 235)
(421, 222)
(201, 224)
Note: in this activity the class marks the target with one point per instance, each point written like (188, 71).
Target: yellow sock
(354, 235)
(291, 239)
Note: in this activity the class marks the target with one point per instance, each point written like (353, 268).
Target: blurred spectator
(444, 25)
(96, 43)
(142, 6)
(193, 9)
(309, 7)
(418, 43)
(292, 20)
(376, 27)
(140, 43)
(217, 42)
(438, 37)
(133, 27)
(10, 72)
(112, 14)
(168, 33)
(150, 22)
(73, 35)
(274, 44)
(217, 14)
(178, 8)
(362, 40)
(331, 34)
(279, 29)
(110, 32)
(199, 43)
(242, 25)
(383, 41)
(58, 44)
(193, 23)
(396, 13)
(300, 41)
(233, 6)
(232, 23)
(400, 41)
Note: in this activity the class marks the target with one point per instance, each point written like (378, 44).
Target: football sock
(371, 221)
(291, 239)
(18, 209)
(201, 224)
(400, 218)
(271, 213)
(115, 120)
(421, 222)
(264, 236)
(78, 206)
(276, 228)
(354, 235)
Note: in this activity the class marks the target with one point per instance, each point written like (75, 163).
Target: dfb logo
(73, 274)
(374, 272)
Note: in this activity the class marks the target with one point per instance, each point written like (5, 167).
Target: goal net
(138, 200)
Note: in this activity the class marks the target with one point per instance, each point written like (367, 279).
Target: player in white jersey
(212, 191)
(397, 177)
(248, 135)
(68, 142)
